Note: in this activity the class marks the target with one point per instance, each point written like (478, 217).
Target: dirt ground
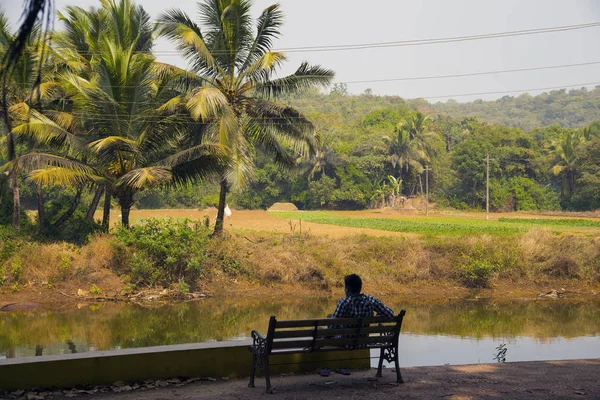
(260, 221)
(263, 221)
(524, 380)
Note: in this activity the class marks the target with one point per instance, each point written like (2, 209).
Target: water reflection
(420, 350)
(448, 332)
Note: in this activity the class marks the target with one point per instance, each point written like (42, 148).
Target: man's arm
(382, 309)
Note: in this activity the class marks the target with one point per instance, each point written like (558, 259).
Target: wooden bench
(324, 335)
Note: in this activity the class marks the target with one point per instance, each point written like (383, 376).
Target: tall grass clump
(560, 256)
(162, 252)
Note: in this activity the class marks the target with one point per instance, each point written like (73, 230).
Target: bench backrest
(330, 333)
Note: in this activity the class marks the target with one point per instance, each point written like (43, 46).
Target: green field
(445, 225)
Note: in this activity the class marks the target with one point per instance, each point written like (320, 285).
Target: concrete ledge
(211, 359)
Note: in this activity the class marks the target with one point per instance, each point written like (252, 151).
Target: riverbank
(424, 292)
(172, 260)
(523, 380)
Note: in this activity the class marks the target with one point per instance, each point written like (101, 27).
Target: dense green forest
(106, 120)
(544, 155)
(540, 157)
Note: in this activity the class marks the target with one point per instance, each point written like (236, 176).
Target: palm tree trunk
(106, 214)
(14, 186)
(63, 218)
(221, 211)
(126, 201)
(40, 207)
(94, 205)
(570, 182)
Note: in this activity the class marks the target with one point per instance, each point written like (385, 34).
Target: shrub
(10, 242)
(143, 271)
(95, 290)
(476, 273)
(183, 287)
(16, 269)
(75, 230)
(64, 265)
(165, 251)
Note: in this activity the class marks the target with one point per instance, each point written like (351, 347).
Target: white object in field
(226, 212)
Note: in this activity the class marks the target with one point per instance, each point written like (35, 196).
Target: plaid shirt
(361, 305)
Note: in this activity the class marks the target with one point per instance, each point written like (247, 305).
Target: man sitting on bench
(357, 305)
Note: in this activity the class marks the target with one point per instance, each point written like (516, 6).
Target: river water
(452, 332)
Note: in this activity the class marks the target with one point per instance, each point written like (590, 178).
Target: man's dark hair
(353, 283)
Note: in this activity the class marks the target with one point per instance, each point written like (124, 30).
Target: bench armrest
(259, 342)
(257, 336)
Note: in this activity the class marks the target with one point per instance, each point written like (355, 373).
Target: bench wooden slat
(291, 344)
(283, 334)
(331, 321)
(339, 342)
(355, 341)
(327, 349)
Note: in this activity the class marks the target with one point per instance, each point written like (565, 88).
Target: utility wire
(472, 73)
(420, 42)
(416, 78)
(403, 43)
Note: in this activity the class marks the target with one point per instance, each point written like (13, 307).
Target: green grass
(571, 223)
(422, 225)
(441, 226)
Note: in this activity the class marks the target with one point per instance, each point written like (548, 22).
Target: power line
(415, 78)
(420, 42)
(402, 43)
(472, 73)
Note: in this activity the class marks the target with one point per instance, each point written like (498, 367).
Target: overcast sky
(351, 22)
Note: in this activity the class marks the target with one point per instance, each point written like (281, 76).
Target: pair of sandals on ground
(327, 371)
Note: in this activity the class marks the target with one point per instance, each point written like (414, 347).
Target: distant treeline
(374, 150)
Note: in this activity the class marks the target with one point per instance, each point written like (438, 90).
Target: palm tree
(405, 153)
(16, 88)
(24, 93)
(592, 130)
(567, 151)
(123, 99)
(416, 125)
(235, 101)
(14, 46)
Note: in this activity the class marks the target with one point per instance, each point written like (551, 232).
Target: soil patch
(521, 380)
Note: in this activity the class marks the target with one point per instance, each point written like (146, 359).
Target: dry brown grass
(66, 267)
(320, 262)
(565, 255)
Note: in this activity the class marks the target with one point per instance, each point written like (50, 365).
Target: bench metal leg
(398, 374)
(253, 372)
(268, 375)
(380, 364)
